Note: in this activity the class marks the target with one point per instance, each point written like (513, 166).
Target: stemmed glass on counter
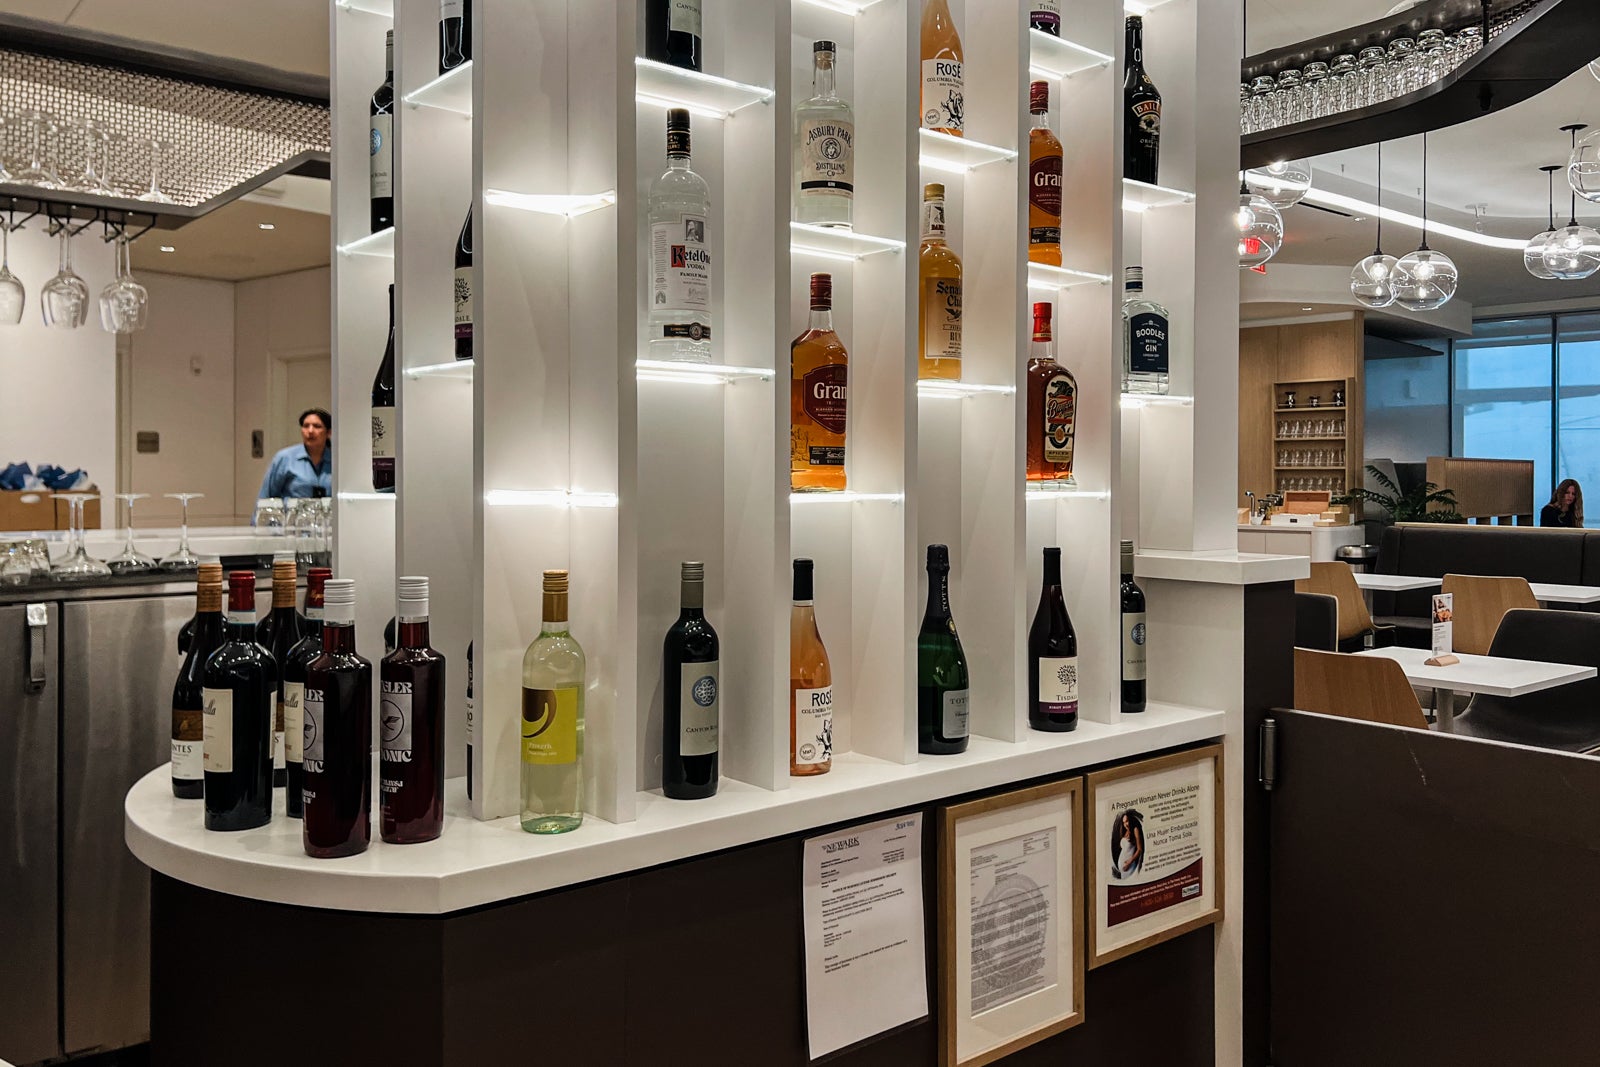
(78, 565)
(183, 557)
(132, 561)
(64, 300)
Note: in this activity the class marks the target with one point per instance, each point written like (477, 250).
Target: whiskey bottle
(1052, 407)
(818, 398)
(1045, 16)
(1141, 116)
(680, 257)
(939, 312)
(1044, 181)
(1133, 637)
(824, 149)
(1052, 656)
(553, 672)
(810, 684)
(380, 144)
(943, 98)
(941, 667)
(1145, 335)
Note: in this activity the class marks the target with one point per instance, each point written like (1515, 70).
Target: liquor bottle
(1052, 656)
(188, 693)
(941, 667)
(1044, 181)
(383, 428)
(337, 793)
(1141, 115)
(1133, 637)
(381, 146)
(411, 703)
(278, 633)
(1052, 407)
(552, 720)
(943, 102)
(672, 32)
(294, 690)
(241, 695)
(1045, 16)
(810, 683)
(455, 33)
(939, 313)
(819, 371)
(680, 258)
(1145, 335)
(691, 687)
(465, 299)
(824, 149)
(472, 721)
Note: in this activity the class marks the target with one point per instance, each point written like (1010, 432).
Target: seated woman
(1565, 507)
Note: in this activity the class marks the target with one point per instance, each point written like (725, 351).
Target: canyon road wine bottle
(1052, 656)
(941, 667)
(383, 424)
(455, 33)
(691, 687)
(810, 683)
(337, 794)
(294, 690)
(465, 300)
(1133, 637)
(553, 671)
(381, 146)
(241, 697)
(672, 33)
(411, 703)
(188, 693)
(1141, 116)
(278, 633)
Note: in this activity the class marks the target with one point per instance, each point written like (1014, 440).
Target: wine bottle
(943, 95)
(383, 426)
(241, 696)
(278, 633)
(381, 146)
(810, 683)
(294, 690)
(672, 32)
(337, 794)
(472, 721)
(553, 671)
(1141, 115)
(1052, 656)
(455, 33)
(1044, 181)
(1133, 637)
(465, 299)
(411, 726)
(1045, 16)
(188, 693)
(680, 255)
(941, 667)
(691, 681)
(186, 635)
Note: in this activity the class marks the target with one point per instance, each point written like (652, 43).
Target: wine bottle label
(680, 265)
(550, 726)
(382, 156)
(826, 399)
(314, 614)
(278, 720)
(941, 318)
(1060, 410)
(942, 97)
(1046, 15)
(313, 716)
(827, 157)
(238, 618)
(1148, 343)
(217, 731)
(451, 9)
(294, 722)
(383, 433)
(188, 763)
(683, 16)
(813, 726)
(1133, 646)
(1044, 194)
(464, 302)
(699, 701)
(955, 714)
(1058, 685)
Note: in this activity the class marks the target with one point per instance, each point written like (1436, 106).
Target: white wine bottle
(552, 720)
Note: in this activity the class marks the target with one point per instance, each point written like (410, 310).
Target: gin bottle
(1145, 349)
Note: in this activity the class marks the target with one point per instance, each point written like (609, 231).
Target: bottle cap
(339, 591)
(1041, 321)
(412, 598)
(241, 592)
(1039, 97)
(319, 575)
(821, 292)
(802, 580)
(933, 191)
(388, 37)
(555, 581)
(938, 558)
(823, 46)
(1052, 553)
(1134, 278)
(694, 572)
(1134, 21)
(677, 131)
(210, 573)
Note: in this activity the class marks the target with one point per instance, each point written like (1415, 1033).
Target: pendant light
(1573, 252)
(1282, 184)
(1260, 228)
(1533, 251)
(1583, 166)
(1372, 280)
(1425, 280)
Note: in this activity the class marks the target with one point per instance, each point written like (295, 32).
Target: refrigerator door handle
(38, 624)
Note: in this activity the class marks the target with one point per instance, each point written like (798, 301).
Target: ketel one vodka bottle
(680, 254)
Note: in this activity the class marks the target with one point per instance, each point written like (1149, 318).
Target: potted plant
(1411, 506)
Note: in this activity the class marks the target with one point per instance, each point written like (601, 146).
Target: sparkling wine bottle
(1052, 656)
(241, 696)
(294, 690)
(691, 680)
(188, 693)
(553, 672)
(381, 146)
(337, 794)
(411, 726)
(941, 667)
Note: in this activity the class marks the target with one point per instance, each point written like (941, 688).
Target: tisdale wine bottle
(383, 427)
(691, 683)
(472, 721)
(455, 33)
(1052, 656)
(1045, 16)
(188, 693)
(810, 683)
(466, 303)
(278, 633)
(672, 32)
(1133, 637)
(381, 146)
(411, 706)
(294, 690)
(553, 671)
(337, 793)
(241, 696)
(1141, 112)
(941, 667)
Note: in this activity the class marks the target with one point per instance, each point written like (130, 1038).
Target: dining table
(1494, 675)
(1543, 592)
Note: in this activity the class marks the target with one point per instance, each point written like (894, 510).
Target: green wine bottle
(552, 720)
(941, 667)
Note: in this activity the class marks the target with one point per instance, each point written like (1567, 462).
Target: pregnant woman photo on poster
(1127, 844)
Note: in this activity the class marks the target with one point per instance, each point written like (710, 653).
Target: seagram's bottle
(1052, 407)
(1044, 181)
(278, 633)
(941, 667)
(1141, 116)
(383, 425)
(465, 300)
(294, 690)
(1133, 637)
(691, 688)
(672, 33)
(337, 794)
(553, 671)
(943, 92)
(810, 683)
(411, 702)
(381, 143)
(1052, 656)
(188, 693)
(455, 33)
(1146, 348)
(241, 696)
(824, 148)
(939, 303)
(680, 256)
(819, 372)
(1045, 16)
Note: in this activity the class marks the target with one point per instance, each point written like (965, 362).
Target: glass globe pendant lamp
(1533, 251)
(1372, 280)
(1260, 228)
(1282, 184)
(1583, 167)
(1573, 252)
(1425, 280)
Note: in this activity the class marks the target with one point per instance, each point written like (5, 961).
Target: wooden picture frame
(1029, 849)
(1177, 806)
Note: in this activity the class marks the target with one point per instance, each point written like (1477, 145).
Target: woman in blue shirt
(305, 469)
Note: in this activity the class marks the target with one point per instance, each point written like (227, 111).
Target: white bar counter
(1318, 542)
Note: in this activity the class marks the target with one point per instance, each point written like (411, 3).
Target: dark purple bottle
(241, 698)
(337, 790)
(411, 726)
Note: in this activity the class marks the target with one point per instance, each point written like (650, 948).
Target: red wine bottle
(455, 33)
(411, 726)
(383, 426)
(188, 693)
(294, 690)
(466, 304)
(278, 633)
(381, 143)
(337, 796)
(1133, 637)
(1052, 656)
(691, 680)
(241, 698)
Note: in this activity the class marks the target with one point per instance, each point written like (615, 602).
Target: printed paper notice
(866, 969)
(1012, 885)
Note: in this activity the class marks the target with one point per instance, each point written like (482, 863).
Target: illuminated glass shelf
(456, 368)
(957, 155)
(1058, 491)
(1145, 400)
(370, 7)
(834, 242)
(665, 85)
(934, 387)
(1142, 196)
(1044, 276)
(450, 91)
(380, 244)
(1057, 57)
(843, 7)
(569, 205)
(847, 496)
(666, 370)
(548, 498)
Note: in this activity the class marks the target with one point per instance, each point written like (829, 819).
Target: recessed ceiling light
(266, 226)
(168, 248)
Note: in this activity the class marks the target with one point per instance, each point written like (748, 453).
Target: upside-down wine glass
(154, 195)
(123, 302)
(64, 300)
(94, 138)
(132, 561)
(38, 171)
(78, 565)
(12, 293)
(182, 558)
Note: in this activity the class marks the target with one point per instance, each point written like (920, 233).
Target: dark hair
(1135, 824)
(1577, 501)
(327, 420)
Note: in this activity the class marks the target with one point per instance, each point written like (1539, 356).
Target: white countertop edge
(476, 863)
(1221, 567)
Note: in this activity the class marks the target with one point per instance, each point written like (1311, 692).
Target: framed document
(1155, 851)
(1010, 921)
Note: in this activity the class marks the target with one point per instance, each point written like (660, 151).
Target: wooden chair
(1357, 687)
(1480, 603)
(1337, 580)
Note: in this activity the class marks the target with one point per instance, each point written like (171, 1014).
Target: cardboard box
(26, 510)
(91, 513)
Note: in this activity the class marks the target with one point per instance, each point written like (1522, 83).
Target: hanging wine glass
(12, 293)
(132, 561)
(182, 558)
(64, 300)
(123, 303)
(1533, 252)
(1372, 280)
(1583, 168)
(154, 195)
(39, 171)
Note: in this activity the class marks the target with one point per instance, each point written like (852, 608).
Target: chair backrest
(1337, 580)
(1566, 717)
(1480, 603)
(1357, 687)
(1316, 621)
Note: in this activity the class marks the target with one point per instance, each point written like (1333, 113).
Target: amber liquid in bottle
(1052, 407)
(1044, 181)
(818, 395)
(939, 309)
(943, 94)
(810, 684)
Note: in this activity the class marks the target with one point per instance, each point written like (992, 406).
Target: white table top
(1495, 675)
(1550, 592)
(1394, 583)
(1545, 592)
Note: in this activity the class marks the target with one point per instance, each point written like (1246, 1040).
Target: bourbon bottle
(1052, 407)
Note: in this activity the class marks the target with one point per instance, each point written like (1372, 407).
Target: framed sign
(1155, 851)
(1010, 921)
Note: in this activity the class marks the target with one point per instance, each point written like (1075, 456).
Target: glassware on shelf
(78, 565)
(124, 302)
(1342, 80)
(5, 139)
(89, 179)
(38, 170)
(132, 561)
(1286, 104)
(15, 567)
(1370, 62)
(1400, 72)
(182, 558)
(1259, 107)
(13, 295)
(1317, 89)
(64, 300)
(154, 195)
